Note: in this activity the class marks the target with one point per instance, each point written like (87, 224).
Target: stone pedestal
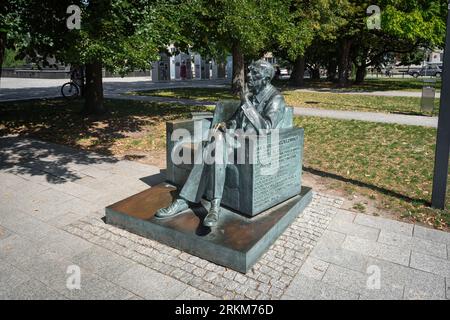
(237, 242)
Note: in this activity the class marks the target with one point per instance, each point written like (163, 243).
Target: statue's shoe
(177, 207)
(212, 219)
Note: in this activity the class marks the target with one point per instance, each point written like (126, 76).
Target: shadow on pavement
(155, 179)
(57, 163)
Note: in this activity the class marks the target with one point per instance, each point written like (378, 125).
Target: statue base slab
(237, 242)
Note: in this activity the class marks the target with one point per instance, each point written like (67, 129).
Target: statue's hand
(245, 95)
(245, 98)
(220, 126)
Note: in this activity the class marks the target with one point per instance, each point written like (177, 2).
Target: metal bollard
(428, 95)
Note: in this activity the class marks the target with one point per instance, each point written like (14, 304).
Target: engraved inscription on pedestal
(277, 174)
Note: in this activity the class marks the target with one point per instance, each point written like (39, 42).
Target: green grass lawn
(370, 84)
(198, 94)
(334, 101)
(391, 164)
(389, 84)
(355, 102)
(131, 126)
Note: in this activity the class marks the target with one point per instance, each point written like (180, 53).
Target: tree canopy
(124, 35)
(406, 26)
(118, 35)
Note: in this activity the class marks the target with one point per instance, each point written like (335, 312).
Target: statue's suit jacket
(268, 114)
(270, 108)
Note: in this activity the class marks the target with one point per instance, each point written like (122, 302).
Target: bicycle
(70, 90)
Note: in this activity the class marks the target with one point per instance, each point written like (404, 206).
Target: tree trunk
(94, 89)
(331, 71)
(238, 81)
(2, 50)
(361, 72)
(344, 62)
(221, 70)
(298, 72)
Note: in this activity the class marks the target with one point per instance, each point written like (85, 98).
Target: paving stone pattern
(268, 279)
(52, 201)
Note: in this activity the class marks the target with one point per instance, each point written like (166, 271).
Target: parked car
(284, 72)
(427, 71)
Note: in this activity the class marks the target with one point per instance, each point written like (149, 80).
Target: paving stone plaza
(52, 201)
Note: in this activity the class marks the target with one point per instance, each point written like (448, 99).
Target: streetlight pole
(443, 131)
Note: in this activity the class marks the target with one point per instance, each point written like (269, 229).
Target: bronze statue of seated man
(262, 108)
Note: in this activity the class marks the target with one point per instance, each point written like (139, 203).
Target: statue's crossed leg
(212, 166)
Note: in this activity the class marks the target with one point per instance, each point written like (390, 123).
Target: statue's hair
(267, 69)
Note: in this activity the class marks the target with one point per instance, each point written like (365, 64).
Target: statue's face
(256, 79)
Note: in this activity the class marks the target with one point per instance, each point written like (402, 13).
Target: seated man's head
(260, 74)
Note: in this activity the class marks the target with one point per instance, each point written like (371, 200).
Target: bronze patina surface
(237, 241)
(262, 110)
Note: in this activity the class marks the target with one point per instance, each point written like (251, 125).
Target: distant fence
(58, 74)
(30, 73)
(395, 72)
